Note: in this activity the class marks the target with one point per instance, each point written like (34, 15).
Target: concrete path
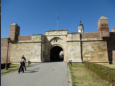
(43, 74)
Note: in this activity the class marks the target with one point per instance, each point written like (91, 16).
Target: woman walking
(21, 65)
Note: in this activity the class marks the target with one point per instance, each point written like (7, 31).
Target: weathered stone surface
(95, 51)
(32, 52)
(73, 37)
(74, 51)
(57, 32)
(36, 38)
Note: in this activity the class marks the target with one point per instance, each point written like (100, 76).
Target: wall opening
(56, 54)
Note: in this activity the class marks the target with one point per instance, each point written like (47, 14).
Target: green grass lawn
(13, 67)
(81, 76)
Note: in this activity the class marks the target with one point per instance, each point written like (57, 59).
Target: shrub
(104, 72)
(3, 65)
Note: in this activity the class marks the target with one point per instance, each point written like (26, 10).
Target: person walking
(21, 64)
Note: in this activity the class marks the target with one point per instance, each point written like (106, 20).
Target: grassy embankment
(13, 67)
(81, 76)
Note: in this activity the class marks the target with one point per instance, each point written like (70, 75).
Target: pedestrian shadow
(30, 71)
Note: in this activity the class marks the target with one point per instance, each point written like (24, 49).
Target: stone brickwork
(73, 47)
(73, 37)
(95, 51)
(29, 46)
(31, 51)
(74, 51)
(57, 32)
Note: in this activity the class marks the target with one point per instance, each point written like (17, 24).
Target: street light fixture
(6, 68)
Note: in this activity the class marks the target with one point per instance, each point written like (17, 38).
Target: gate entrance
(56, 54)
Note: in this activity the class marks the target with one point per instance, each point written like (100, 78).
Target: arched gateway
(55, 54)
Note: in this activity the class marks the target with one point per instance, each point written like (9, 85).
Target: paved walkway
(43, 74)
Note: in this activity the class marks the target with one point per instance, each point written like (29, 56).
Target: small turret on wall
(103, 27)
(80, 28)
(14, 32)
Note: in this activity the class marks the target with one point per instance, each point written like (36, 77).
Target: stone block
(113, 56)
(113, 29)
(57, 32)
(73, 37)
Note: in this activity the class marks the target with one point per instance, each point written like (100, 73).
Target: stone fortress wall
(78, 47)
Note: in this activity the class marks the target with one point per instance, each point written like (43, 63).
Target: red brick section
(104, 32)
(113, 56)
(14, 32)
(4, 46)
(103, 28)
(23, 38)
(102, 22)
(90, 35)
(111, 45)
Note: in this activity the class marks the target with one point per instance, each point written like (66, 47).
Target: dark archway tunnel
(55, 54)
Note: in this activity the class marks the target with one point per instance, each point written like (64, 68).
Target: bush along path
(103, 72)
(81, 76)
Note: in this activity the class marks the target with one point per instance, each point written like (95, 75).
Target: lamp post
(6, 68)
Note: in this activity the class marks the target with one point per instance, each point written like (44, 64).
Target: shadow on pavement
(30, 71)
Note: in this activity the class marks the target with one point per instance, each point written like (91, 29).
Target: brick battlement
(91, 35)
(23, 38)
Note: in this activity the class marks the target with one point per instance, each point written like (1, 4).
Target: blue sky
(38, 16)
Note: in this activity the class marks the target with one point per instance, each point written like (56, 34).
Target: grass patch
(13, 67)
(81, 76)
